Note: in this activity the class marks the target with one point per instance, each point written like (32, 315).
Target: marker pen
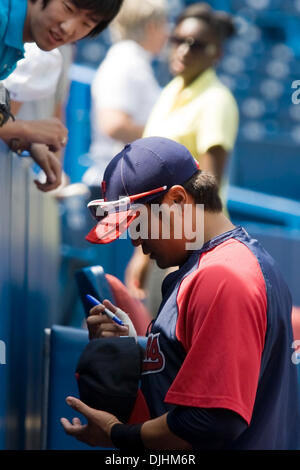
(107, 312)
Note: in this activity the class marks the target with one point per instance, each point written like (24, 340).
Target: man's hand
(51, 132)
(50, 164)
(19, 135)
(156, 433)
(98, 428)
(100, 326)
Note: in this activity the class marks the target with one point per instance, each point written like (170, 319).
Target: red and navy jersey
(222, 339)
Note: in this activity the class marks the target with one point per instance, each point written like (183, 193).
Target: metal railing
(29, 263)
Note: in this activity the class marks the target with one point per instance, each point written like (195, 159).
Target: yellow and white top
(200, 116)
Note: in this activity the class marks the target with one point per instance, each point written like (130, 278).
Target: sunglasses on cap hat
(99, 208)
(142, 171)
(114, 217)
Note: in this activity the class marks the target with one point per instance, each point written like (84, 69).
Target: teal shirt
(12, 18)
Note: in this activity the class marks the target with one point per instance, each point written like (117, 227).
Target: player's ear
(177, 195)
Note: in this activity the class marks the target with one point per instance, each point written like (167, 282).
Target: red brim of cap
(111, 227)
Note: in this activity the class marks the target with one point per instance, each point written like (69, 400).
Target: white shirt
(43, 107)
(124, 81)
(36, 76)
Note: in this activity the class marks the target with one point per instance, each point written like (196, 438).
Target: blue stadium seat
(91, 51)
(258, 6)
(91, 280)
(267, 167)
(284, 246)
(248, 205)
(275, 222)
(63, 346)
(94, 281)
(78, 121)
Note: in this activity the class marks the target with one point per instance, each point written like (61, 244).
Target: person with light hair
(124, 89)
(136, 16)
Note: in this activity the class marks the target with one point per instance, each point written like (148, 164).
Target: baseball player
(217, 370)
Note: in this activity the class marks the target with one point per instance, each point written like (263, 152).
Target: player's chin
(162, 264)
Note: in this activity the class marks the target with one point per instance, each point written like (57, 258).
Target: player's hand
(98, 428)
(101, 326)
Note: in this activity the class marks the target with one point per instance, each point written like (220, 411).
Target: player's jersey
(223, 339)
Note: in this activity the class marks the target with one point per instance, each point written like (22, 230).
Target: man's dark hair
(220, 22)
(106, 9)
(204, 189)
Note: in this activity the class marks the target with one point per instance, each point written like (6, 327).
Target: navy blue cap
(147, 164)
(143, 165)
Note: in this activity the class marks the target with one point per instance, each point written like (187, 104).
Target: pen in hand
(93, 301)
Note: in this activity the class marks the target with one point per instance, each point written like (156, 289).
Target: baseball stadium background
(42, 240)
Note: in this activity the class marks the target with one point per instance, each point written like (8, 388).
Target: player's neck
(215, 224)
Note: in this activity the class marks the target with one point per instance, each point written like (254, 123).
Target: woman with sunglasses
(195, 108)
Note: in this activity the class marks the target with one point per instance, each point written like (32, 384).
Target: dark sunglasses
(194, 44)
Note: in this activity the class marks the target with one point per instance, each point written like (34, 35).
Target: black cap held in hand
(108, 374)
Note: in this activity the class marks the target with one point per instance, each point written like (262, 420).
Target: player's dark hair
(105, 9)
(220, 22)
(204, 189)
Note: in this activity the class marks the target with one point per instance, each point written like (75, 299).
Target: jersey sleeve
(221, 325)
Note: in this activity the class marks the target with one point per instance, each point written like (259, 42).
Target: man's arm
(155, 433)
(50, 163)
(15, 107)
(119, 125)
(214, 161)
(136, 273)
(19, 135)
(204, 429)
(44, 140)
